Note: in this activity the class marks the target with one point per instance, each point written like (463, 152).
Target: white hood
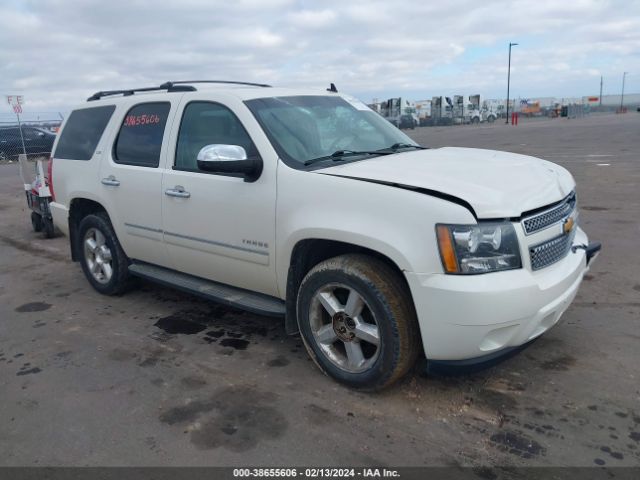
(496, 184)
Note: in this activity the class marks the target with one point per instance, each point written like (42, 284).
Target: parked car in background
(407, 121)
(36, 141)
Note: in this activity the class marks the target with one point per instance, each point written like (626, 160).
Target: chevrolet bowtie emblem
(568, 225)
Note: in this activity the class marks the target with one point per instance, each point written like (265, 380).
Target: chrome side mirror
(229, 160)
(221, 153)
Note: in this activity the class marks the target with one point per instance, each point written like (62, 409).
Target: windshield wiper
(398, 146)
(339, 155)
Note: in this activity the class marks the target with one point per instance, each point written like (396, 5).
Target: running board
(217, 292)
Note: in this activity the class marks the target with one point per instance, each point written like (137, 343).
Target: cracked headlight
(482, 248)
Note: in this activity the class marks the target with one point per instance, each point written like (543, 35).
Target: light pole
(622, 96)
(509, 79)
(601, 80)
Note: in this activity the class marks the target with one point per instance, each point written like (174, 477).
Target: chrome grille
(547, 218)
(551, 251)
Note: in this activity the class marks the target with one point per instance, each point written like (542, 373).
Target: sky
(58, 52)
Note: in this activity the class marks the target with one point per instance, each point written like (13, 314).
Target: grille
(551, 251)
(555, 214)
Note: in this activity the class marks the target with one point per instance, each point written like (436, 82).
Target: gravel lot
(157, 377)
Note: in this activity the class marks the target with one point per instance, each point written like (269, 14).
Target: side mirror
(231, 159)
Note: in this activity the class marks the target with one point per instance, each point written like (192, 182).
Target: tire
(385, 309)
(491, 118)
(475, 120)
(111, 280)
(36, 221)
(49, 229)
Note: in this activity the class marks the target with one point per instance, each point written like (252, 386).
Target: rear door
(130, 178)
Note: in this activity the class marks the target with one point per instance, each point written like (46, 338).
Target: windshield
(307, 128)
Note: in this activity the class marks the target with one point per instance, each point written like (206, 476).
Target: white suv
(308, 205)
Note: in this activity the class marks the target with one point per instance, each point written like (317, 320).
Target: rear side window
(82, 132)
(141, 133)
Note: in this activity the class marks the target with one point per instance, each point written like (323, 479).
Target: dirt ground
(157, 377)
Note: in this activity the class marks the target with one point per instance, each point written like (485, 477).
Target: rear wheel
(103, 261)
(358, 322)
(36, 221)
(47, 226)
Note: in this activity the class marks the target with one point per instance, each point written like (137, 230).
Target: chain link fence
(32, 137)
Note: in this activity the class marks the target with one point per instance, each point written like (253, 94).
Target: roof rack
(177, 86)
(131, 91)
(232, 82)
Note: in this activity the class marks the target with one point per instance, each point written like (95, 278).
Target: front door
(218, 226)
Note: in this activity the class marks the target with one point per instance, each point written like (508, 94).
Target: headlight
(482, 248)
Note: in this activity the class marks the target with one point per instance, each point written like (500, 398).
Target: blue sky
(58, 52)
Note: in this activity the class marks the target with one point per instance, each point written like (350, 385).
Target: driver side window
(206, 123)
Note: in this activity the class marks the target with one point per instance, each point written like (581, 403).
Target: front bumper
(472, 365)
(464, 317)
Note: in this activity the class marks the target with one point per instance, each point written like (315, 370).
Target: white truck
(307, 205)
(400, 112)
(474, 109)
(466, 109)
(492, 110)
(441, 111)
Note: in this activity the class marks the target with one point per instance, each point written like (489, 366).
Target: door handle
(177, 191)
(111, 181)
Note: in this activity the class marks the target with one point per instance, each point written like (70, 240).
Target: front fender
(397, 223)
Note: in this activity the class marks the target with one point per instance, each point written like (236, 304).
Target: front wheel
(358, 322)
(103, 261)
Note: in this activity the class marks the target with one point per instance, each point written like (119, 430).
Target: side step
(218, 292)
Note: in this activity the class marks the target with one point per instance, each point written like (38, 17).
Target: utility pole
(24, 149)
(509, 80)
(622, 96)
(601, 90)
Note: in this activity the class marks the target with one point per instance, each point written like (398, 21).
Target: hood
(495, 184)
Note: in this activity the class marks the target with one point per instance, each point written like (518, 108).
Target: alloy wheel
(98, 255)
(344, 328)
